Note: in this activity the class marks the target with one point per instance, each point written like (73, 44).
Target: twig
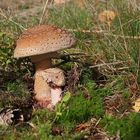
(44, 10)
(86, 31)
(104, 33)
(107, 64)
(122, 68)
(3, 15)
(97, 122)
(138, 70)
(31, 124)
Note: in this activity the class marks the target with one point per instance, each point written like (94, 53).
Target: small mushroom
(41, 43)
(107, 16)
(55, 79)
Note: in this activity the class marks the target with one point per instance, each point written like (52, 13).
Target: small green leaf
(8, 61)
(58, 114)
(1, 34)
(66, 97)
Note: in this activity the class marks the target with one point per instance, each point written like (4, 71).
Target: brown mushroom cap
(43, 39)
(106, 16)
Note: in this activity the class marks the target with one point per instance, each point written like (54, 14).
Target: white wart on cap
(43, 39)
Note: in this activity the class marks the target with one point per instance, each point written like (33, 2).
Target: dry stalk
(97, 122)
(123, 36)
(138, 70)
(105, 33)
(107, 64)
(44, 10)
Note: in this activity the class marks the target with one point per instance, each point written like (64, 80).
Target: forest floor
(103, 84)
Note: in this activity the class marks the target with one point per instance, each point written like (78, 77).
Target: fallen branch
(107, 64)
(104, 33)
(72, 30)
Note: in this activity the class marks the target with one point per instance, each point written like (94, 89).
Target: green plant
(62, 106)
(127, 126)
(6, 59)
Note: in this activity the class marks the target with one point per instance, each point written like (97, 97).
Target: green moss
(80, 109)
(128, 126)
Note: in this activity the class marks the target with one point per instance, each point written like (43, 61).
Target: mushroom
(41, 43)
(107, 16)
(55, 79)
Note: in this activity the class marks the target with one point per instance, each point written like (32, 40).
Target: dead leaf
(113, 103)
(82, 126)
(136, 107)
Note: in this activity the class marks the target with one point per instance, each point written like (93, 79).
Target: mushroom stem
(56, 79)
(56, 95)
(43, 64)
(41, 88)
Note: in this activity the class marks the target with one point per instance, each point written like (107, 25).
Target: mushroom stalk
(56, 79)
(43, 64)
(41, 88)
(56, 95)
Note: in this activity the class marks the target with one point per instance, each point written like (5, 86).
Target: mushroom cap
(43, 39)
(106, 16)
